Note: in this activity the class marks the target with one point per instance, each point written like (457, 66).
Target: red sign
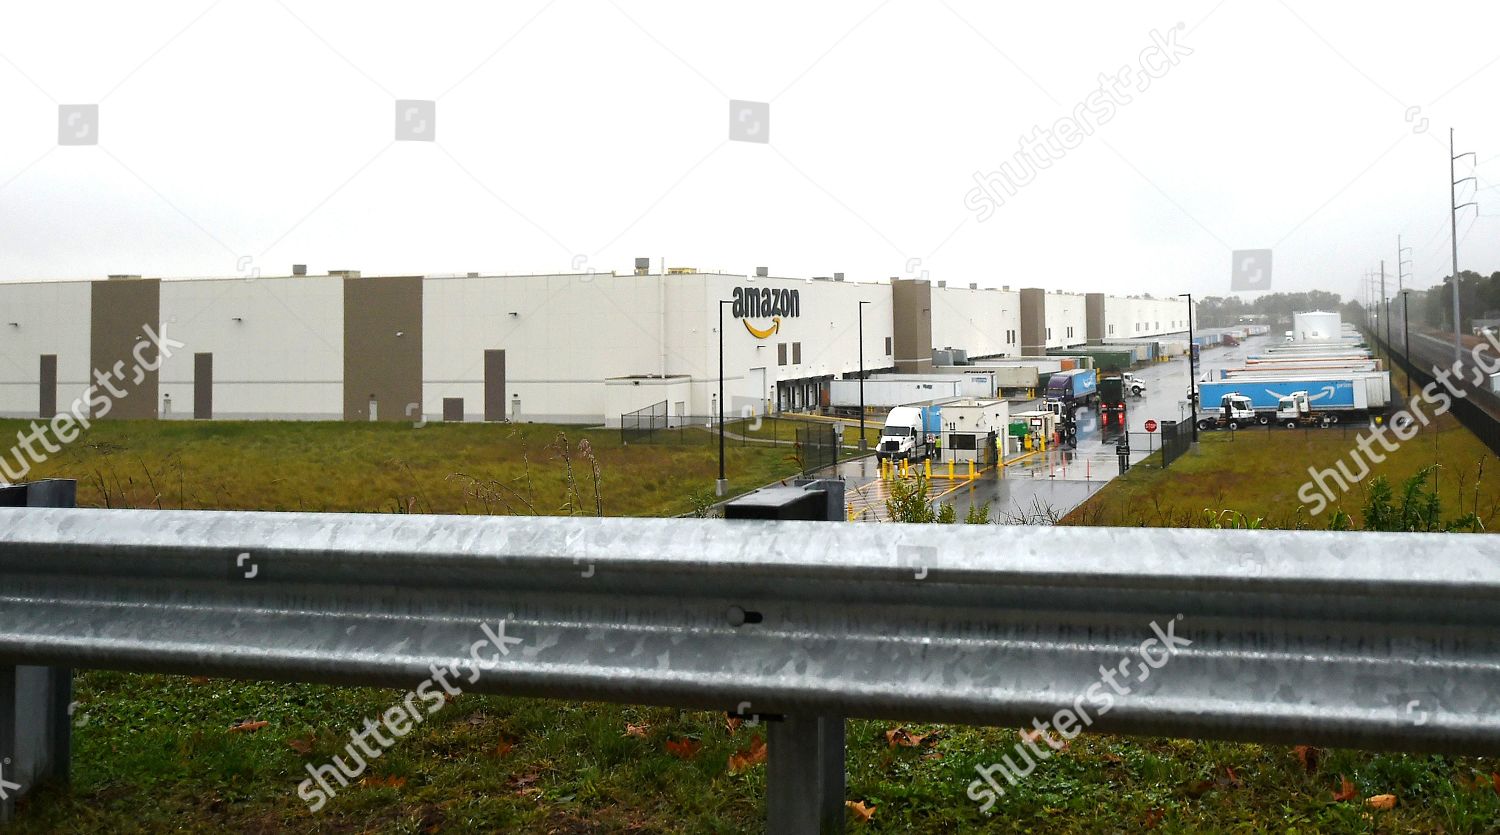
(1150, 426)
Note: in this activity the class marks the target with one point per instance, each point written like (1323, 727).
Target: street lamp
(722, 486)
(862, 443)
(1406, 338)
(1192, 366)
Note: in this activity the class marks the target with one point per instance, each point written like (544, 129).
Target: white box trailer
(1042, 365)
(1001, 377)
(887, 391)
(978, 382)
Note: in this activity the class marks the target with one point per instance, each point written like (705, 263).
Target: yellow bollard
(1042, 439)
(950, 468)
(927, 467)
(971, 469)
(903, 468)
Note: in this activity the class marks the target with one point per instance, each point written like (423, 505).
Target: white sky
(583, 133)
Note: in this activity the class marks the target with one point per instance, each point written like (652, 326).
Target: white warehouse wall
(51, 318)
(1063, 311)
(976, 320)
(569, 333)
(283, 359)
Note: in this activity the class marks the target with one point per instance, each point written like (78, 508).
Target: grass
(1259, 472)
(394, 467)
(155, 753)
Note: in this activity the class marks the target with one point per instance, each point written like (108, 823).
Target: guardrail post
(805, 775)
(35, 730)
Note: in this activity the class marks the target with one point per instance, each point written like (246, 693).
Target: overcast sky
(252, 134)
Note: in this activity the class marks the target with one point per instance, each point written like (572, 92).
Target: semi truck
(1233, 412)
(1078, 387)
(1340, 398)
(908, 433)
(1112, 400)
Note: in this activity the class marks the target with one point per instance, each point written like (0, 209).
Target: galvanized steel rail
(1383, 641)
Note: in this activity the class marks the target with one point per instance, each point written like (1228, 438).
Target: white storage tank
(1316, 324)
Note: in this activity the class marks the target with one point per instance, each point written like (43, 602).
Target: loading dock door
(494, 385)
(48, 405)
(203, 386)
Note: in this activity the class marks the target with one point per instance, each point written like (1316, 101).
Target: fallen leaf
(933, 755)
(476, 719)
(901, 737)
(1198, 788)
(745, 759)
(636, 730)
(1496, 778)
(684, 748)
(1346, 790)
(247, 726)
(1381, 801)
(199, 679)
(1053, 742)
(860, 810)
(522, 781)
(1229, 778)
(390, 782)
(301, 746)
(1153, 818)
(732, 722)
(504, 745)
(1309, 757)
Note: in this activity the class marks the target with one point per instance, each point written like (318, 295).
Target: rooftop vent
(942, 284)
(762, 272)
(973, 285)
(642, 266)
(299, 269)
(473, 275)
(344, 273)
(838, 276)
(123, 277)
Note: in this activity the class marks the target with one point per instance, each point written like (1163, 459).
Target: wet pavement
(1044, 486)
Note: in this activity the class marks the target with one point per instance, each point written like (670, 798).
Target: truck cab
(905, 433)
(1133, 384)
(1295, 410)
(1234, 412)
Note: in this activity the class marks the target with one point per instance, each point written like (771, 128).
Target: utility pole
(1458, 344)
(1400, 283)
(1385, 310)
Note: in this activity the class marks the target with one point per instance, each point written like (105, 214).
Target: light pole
(862, 377)
(722, 486)
(1192, 367)
(1406, 338)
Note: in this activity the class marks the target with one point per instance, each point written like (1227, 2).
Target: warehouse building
(568, 347)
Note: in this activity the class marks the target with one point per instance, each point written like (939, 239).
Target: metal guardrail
(1305, 637)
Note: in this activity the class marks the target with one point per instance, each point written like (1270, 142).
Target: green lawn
(155, 753)
(386, 467)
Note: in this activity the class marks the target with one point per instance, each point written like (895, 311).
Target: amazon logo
(765, 303)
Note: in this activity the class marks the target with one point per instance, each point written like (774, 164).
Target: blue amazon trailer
(1346, 397)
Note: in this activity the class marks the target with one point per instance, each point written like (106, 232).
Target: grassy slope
(154, 752)
(1259, 472)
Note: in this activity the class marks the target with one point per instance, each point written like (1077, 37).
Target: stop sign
(1150, 426)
